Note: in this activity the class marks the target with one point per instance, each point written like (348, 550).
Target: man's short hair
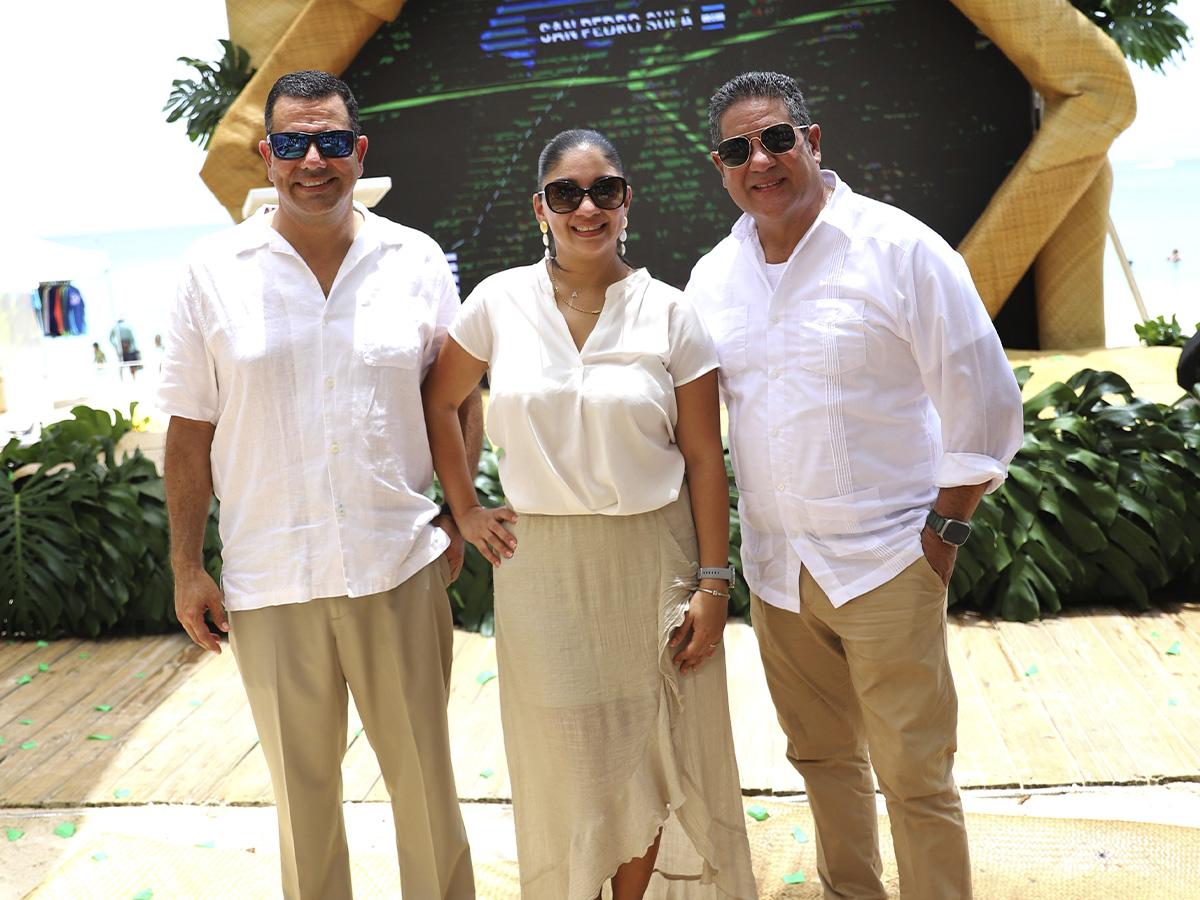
(770, 85)
(311, 85)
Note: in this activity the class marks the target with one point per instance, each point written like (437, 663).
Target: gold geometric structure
(282, 36)
(1050, 212)
(1052, 209)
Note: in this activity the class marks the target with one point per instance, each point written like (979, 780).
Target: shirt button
(775, 431)
(774, 320)
(334, 448)
(774, 374)
(341, 511)
(329, 382)
(781, 487)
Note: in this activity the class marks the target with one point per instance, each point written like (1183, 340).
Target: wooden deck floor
(1083, 699)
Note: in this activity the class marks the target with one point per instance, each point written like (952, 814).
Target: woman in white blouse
(612, 674)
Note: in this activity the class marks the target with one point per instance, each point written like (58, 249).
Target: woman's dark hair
(558, 146)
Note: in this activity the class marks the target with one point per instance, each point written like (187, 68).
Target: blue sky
(107, 161)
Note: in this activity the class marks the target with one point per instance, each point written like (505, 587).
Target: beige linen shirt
(320, 457)
(588, 431)
(867, 380)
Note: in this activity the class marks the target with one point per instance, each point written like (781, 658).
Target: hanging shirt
(320, 457)
(868, 379)
(588, 431)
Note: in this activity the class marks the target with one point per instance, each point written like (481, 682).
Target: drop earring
(545, 228)
(623, 238)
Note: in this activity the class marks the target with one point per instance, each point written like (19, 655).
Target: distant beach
(1156, 209)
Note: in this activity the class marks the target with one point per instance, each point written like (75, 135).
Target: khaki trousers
(873, 673)
(393, 650)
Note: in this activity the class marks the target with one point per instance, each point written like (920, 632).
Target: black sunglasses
(734, 152)
(294, 144)
(565, 196)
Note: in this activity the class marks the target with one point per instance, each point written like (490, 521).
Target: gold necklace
(574, 295)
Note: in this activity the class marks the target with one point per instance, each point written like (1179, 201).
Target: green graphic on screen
(916, 107)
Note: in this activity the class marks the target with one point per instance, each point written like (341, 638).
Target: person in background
(612, 579)
(292, 378)
(870, 408)
(98, 356)
(123, 341)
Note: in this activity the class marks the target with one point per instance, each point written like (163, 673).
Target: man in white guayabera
(870, 408)
(292, 377)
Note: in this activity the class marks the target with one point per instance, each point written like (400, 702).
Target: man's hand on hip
(195, 594)
(938, 554)
(455, 552)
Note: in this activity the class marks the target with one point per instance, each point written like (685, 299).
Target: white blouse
(589, 431)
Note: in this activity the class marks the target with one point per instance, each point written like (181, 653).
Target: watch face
(956, 532)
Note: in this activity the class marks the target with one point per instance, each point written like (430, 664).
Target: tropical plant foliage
(83, 534)
(1158, 332)
(202, 101)
(1102, 504)
(1146, 30)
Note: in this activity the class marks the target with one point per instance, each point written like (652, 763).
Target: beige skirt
(606, 741)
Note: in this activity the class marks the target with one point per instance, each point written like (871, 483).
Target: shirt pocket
(841, 524)
(388, 332)
(831, 336)
(729, 329)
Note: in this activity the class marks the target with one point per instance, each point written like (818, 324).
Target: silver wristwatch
(726, 574)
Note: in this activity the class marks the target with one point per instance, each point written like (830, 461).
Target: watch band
(726, 574)
(951, 531)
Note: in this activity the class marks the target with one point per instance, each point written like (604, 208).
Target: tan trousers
(393, 650)
(873, 673)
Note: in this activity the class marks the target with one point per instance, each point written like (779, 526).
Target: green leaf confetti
(758, 812)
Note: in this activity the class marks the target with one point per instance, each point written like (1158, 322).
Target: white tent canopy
(28, 261)
(36, 372)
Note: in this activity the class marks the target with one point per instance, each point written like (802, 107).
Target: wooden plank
(1035, 748)
(476, 734)
(1166, 736)
(141, 723)
(16, 700)
(983, 756)
(1065, 692)
(759, 742)
(19, 658)
(63, 714)
(203, 731)
(249, 782)
(360, 766)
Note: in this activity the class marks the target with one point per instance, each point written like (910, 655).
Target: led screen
(917, 108)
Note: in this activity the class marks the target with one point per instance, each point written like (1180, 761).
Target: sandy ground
(29, 860)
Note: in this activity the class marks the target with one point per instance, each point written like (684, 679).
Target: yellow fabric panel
(257, 26)
(1089, 100)
(326, 34)
(1069, 272)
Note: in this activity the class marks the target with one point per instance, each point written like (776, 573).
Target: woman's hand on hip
(700, 633)
(485, 529)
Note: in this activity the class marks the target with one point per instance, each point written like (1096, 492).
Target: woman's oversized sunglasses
(295, 144)
(608, 192)
(734, 152)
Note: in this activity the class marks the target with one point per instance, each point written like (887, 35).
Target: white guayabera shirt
(320, 455)
(588, 431)
(869, 378)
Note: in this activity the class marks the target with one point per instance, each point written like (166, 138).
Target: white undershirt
(591, 430)
(775, 274)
